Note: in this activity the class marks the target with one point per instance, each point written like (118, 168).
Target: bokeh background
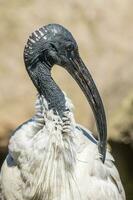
(104, 32)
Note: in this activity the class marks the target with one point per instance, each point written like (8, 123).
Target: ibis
(50, 156)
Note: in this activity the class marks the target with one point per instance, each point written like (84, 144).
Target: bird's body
(53, 160)
(50, 156)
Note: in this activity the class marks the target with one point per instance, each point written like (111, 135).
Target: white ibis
(50, 156)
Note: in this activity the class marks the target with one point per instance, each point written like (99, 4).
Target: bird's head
(53, 44)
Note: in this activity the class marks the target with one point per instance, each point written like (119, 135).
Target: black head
(53, 44)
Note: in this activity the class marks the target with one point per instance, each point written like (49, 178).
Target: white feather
(53, 160)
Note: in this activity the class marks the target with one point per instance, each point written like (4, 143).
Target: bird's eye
(53, 46)
(70, 47)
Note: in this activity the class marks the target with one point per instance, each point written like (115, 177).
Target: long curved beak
(80, 73)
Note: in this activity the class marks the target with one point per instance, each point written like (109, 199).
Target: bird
(50, 156)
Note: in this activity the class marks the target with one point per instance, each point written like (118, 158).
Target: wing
(86, 133)
(11, 182)
(1, 193)
(94, 179)
(10, 177)
(103, 177)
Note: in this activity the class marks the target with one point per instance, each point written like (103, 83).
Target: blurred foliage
(122, 122)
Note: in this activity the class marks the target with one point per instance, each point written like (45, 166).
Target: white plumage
(51, 159)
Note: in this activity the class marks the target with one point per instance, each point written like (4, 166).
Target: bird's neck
(50, 90)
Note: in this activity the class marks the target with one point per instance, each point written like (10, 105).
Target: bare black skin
(57, 46)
